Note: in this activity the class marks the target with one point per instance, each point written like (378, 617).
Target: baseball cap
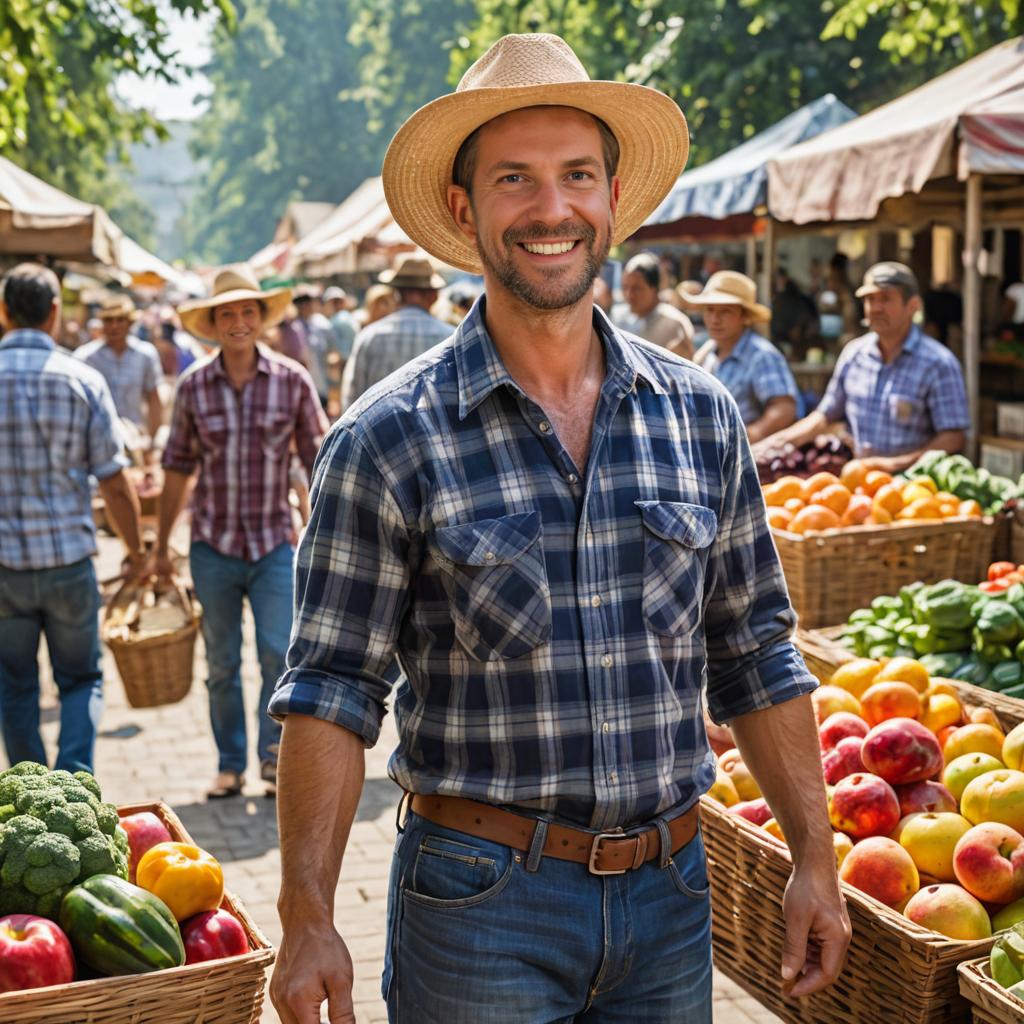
(888, 275)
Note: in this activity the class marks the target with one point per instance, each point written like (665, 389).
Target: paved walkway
(168, 754)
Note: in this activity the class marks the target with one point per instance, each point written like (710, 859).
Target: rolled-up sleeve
(106, 442)
(351, 594)
(833, 404)
(180, 453)
(752, 662)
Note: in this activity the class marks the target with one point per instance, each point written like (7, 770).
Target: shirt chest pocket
(277, 434)
(497, 586)
(213, 433)
(677, 540)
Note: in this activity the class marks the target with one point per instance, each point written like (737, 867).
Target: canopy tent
(148, 270)
(37, 219)
(993, 136)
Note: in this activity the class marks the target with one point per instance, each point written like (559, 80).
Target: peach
(732, 764)
(930, 839)
(895, 699)
(896, 834)
(828, 699)
(755, 811)
(989, 862)
(966, 768)
(839, 726)
(950, 911)
(773, 828)
(843, 844)
(975, 738)
(882, 869)
(905, 670)
(902, 750)
(1010, 915)
(995, 796)
(856, 676)
(925, 796)
(723, 790)
(1013, 747)
(844, 760)
(984, 716)
(864, 805)
(939, 710)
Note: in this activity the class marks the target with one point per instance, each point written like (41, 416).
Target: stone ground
(168, 754)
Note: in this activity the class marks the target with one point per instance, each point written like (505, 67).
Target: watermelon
(117, 928)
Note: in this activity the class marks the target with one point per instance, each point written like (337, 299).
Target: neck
(892, 342)
(418, 304)
(118, 346)
(726, 345)
(647, 311)
(239, 364)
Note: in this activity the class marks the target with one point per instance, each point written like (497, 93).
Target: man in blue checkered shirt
(900, 392)
(556, 533)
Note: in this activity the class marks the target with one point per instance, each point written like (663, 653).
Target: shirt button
(573, 478)
(545, 427)
(607, 661)
(489, 557)
(605, 727)
(613, 776)
(595, 601)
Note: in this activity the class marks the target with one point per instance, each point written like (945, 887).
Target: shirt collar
(27, 337)
(481, 371)
(738, 349)
(910, 343)
(262, 362)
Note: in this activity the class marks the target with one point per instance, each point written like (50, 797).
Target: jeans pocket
(677, 539)
(689, 870)
(494, 575)
(450, 874)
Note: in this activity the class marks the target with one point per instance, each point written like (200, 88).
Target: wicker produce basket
(833, 573)
(990, 1002)
(228, 991)
(155, 668)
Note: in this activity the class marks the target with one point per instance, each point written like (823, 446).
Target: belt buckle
(595, 847)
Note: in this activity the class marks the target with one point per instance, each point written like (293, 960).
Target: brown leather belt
(604, 853)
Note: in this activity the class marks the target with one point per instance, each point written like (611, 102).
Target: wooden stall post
(972, 304)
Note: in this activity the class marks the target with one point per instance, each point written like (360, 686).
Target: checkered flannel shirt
(130, 376)
(556, 628)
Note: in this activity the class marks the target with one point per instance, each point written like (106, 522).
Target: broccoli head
(55, 831)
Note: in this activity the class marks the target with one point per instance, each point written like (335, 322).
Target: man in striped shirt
(236, 416)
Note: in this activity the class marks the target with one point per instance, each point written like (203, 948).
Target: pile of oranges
(859, 496)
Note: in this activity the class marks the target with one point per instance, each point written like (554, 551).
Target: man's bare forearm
(778, 414)
(780, 746)
(320, 773)
(172, 498)
(122, 503)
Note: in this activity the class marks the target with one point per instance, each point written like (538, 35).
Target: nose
(550, 204)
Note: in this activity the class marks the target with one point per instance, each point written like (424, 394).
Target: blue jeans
(64, 605)
(221, 583)
(476, 938)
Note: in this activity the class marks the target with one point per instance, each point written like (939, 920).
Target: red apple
(34, 953)
(923, 797)
(844, 759)
(212, 935)
(144, 830)
(838, 726)
(756, 811)
(989, 862)
(902, 750)
(864, 805)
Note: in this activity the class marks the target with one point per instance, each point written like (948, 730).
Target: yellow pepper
(187, 879)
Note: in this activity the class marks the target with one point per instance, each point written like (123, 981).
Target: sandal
(268, 773)
(228, 783)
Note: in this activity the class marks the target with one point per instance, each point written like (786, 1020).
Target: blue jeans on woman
(63, 604)
(474, 937)
(221, 583)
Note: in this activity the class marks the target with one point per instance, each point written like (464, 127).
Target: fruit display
(858, 496)
(956, 475)
(34, 953)
(1006, 961)
(925, 796)
(826, 453)
(960, 631)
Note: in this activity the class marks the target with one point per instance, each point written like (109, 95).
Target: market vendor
(900, 392)
(752, 369)
(647, 316)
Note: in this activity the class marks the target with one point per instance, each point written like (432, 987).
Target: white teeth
(546, 249)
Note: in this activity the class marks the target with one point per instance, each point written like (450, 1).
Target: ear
(461, 209)
(613, 194)
(914, 304)
(5, 317)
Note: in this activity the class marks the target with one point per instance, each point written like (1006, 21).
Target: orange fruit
(772, 497)
(857, 511)
(789, 487)
(923, 508)
(879, 517)
(888, 497)
(881, 701)
(814, 518)
(818, 482)
(949, 509)
(779, 518)
(794, 505)
(853, 473)
(970, 508)
(913, 491)
(875, 481)
(836, 497)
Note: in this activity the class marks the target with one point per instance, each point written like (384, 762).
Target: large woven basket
(228, 991)
(833, 573)
(155, 670)
(990, 1002)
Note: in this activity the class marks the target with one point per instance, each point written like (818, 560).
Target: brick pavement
(168, 754)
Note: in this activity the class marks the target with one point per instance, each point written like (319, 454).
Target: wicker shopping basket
(833, 573)
(990, 1002)
(155, 669)
(228, 991)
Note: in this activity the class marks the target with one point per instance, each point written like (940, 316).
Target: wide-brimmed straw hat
(412, 272)
(731, 288)
(114, 306)
(528, 71)
(232, 284)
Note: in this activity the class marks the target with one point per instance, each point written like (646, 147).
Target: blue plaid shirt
(57, 426)
(754, 373)
(557, 630)
(896, 407)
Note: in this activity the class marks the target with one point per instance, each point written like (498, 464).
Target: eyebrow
(515, 165)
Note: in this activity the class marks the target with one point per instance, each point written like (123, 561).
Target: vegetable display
(186, 878)
(826, 453)
(957, 475)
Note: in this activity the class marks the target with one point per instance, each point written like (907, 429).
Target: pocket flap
(692, 525)
(489, 541)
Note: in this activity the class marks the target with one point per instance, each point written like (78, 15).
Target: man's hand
(161, 566)
(817, 930)
(313, 965)
(135, 565)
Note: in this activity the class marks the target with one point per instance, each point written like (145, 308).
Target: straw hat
(731, 288)
(232, 284)
(114, 306)
(412, 272)
(528, 71)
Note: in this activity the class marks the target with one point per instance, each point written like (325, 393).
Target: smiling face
(541, 207)
(238, 325)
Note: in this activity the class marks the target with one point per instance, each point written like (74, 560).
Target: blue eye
(512, 178)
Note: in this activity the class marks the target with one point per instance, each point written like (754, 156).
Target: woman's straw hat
(528, 71)
(731, 288)
(232, 284)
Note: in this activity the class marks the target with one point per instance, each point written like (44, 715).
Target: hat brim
(755, 309)
(114, 314)
(197, 319)
(389, 277)
(650, 129)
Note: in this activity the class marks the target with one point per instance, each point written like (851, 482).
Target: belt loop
(404, 803)
(540, 834)
(666, 842)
